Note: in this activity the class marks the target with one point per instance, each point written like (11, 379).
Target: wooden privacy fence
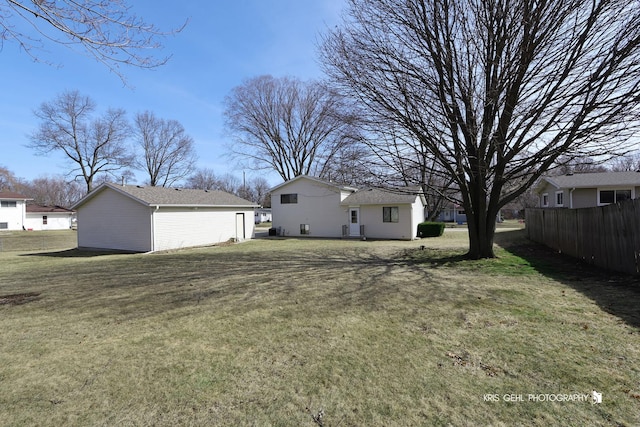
(607, 236)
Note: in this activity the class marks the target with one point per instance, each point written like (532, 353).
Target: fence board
(608, 236)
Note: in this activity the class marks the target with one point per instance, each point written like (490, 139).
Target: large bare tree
(495, 90)
(168, 153)
(286, 125)
(93, 145)
(106, 30)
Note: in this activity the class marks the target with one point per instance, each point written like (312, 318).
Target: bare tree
(9, 181)
(54, 191)
(290, 126)
(168, 153)
(495, 91)
(628, 163)
(202, 179)
(93, 145)
(105, 29)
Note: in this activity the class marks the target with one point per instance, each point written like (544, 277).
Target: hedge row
(430, 229)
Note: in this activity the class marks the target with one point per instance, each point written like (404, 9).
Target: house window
(289, 198)
(390, 214)
(304, 228)
(354, 216)
(8, 204)
(44, 220)
(559, 199)
(4, 225)
(461, 212)
(606, 197)
(545, 199)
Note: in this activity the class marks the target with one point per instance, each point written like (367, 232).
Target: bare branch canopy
(494, 90)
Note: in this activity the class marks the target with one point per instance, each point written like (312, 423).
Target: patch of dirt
(18, 299)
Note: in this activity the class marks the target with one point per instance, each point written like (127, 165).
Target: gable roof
(313, 179)
(171, 197)
(377, 196)
(49, 209)
(10, 195)
(592, 180)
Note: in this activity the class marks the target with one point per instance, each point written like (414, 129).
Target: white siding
(318, 206)
(55, 221)
(114, 221)
(13, 216)
(185, 227)
(371, 217)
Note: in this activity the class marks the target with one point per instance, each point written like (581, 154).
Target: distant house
(40, 217)
(452, 213)
(12, 210)
(307, 206)
(587, 189)
(144, 219)
(262, 215)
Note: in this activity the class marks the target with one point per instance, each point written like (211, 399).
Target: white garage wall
(114, 221)
(184, 227)
(55, 221)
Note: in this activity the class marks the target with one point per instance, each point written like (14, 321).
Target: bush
(430, 229)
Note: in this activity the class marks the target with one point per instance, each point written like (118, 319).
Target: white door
(240, 235)
(354, 222)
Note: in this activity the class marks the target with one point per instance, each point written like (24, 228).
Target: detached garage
(145, 219)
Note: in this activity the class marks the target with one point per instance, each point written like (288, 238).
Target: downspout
(571, 198)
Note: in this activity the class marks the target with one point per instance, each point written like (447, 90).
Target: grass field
(296, 332)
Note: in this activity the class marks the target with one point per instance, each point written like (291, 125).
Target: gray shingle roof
(601, 179)
(161, 196)
(375, 196)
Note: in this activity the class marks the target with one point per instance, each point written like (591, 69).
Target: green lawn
(278, 331)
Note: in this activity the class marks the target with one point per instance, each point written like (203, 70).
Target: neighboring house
(48, 218)
(307, 206)
(587, 189)
(144, 219)
(12, 210)
(452, 213)
(262, 215)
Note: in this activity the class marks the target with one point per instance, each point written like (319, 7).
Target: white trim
(559, 205)
(614, 189)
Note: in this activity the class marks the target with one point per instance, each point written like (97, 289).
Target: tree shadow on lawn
(616, 293)
(77, 253)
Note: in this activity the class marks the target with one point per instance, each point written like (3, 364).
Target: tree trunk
(481, 241)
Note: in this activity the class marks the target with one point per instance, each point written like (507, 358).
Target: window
(545, 199)
(390, 214)
(606, 197)
(8, 204)
(44, 220)
(304, 228)
(354, 216)
(4, 225)
(559, 198)
(288, 198)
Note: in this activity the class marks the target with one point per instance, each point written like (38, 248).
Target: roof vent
(140, 186)
(178, 189)
(569, 173)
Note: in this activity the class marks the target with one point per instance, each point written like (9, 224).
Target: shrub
(430, 229)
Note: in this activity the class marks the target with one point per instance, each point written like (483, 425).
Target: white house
(262, 215)
(12, 210)
(48, 218)
(143, 219)
(584, 190)
(307, 206)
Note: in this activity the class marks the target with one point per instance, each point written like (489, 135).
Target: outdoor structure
(307, 206)
(12, 210)
(262, 215)
(587, 189)
(144, 219)
(452, 213)
(48, 218)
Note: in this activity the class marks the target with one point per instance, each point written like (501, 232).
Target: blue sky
(225, 42)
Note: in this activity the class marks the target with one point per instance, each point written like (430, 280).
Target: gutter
(571, 198)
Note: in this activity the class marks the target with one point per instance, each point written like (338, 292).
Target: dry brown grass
(275, 332)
